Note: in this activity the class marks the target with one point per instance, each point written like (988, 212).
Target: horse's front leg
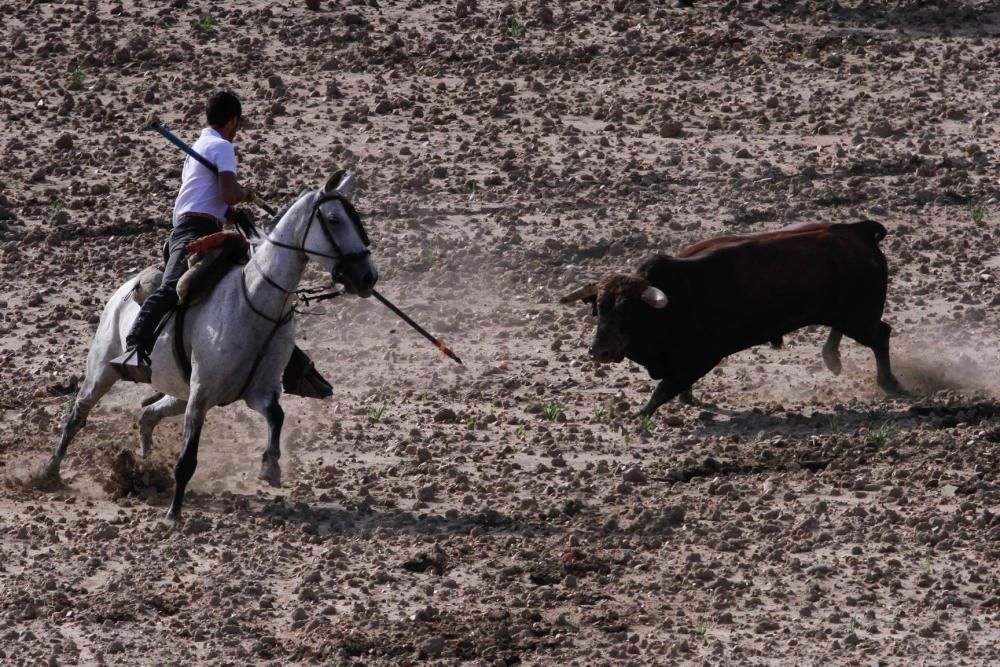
(267, 404)
(194, 419)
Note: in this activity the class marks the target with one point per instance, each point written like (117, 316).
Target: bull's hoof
(271, 473)
(895, 390)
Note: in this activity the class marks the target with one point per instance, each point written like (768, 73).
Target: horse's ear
(340, 182)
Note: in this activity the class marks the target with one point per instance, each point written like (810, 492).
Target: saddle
(209, 259)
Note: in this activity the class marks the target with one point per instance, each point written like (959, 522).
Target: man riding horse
(200, 209)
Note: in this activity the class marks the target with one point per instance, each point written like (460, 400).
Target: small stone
(427, 613)
(634, 475)
(881, 129)
(196, 526)
(446, 415)
(671, 130)
(432, 647)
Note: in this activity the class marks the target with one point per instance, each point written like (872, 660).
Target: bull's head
(615, 300)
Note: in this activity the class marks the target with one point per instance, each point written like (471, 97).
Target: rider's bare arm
(232, 192)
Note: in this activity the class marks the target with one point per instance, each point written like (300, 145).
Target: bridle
(342, 258)
(317, 212)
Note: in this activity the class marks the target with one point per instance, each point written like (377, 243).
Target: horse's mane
(268, 227)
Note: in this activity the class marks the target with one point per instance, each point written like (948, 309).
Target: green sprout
(701, 626)
(550, 410)
(206, 23)
(885, 431)
(519, 431)
(977, 212)
(645, 424)
(925, 563)
(77, 75)
(375, 413)
(515, 27)
(600, 414)
(876, 413)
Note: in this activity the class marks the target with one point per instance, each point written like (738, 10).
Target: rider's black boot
(134, 365)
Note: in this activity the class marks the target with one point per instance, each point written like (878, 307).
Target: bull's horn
(585, 292)
(654, 297)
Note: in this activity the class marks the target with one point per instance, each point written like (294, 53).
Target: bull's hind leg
(877, 338)
(152, 414)
(100, 378)
(831, 351)
(267, 404)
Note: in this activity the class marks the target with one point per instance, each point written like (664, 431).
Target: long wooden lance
(419, 329)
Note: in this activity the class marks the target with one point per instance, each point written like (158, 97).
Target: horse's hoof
(51, 472)
(271, 474)
(48, 478)
(172, 516)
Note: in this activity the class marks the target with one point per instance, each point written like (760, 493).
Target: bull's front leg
(678, 383)
(665, 391)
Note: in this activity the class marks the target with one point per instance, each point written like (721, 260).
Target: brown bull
(680, 316)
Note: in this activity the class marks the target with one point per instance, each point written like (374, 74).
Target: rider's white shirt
(199, 191)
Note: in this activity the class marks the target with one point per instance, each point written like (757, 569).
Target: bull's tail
(871, 229)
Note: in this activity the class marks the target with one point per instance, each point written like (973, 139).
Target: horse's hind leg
(831, 351)
(152, 414)
(267, 405)
(100, 378)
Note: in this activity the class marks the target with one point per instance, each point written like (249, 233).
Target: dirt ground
(513, 510)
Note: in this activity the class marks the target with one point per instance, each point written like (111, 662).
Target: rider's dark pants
(164, 299)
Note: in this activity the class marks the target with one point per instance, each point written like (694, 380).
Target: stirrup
(133, 365)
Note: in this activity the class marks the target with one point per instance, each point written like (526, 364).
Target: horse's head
(337, 226)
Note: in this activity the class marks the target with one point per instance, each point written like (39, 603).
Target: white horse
(240, 338)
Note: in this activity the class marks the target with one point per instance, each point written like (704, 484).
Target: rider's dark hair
(222, 108)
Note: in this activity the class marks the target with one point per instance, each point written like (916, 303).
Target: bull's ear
(654, 297)
(586, 293)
